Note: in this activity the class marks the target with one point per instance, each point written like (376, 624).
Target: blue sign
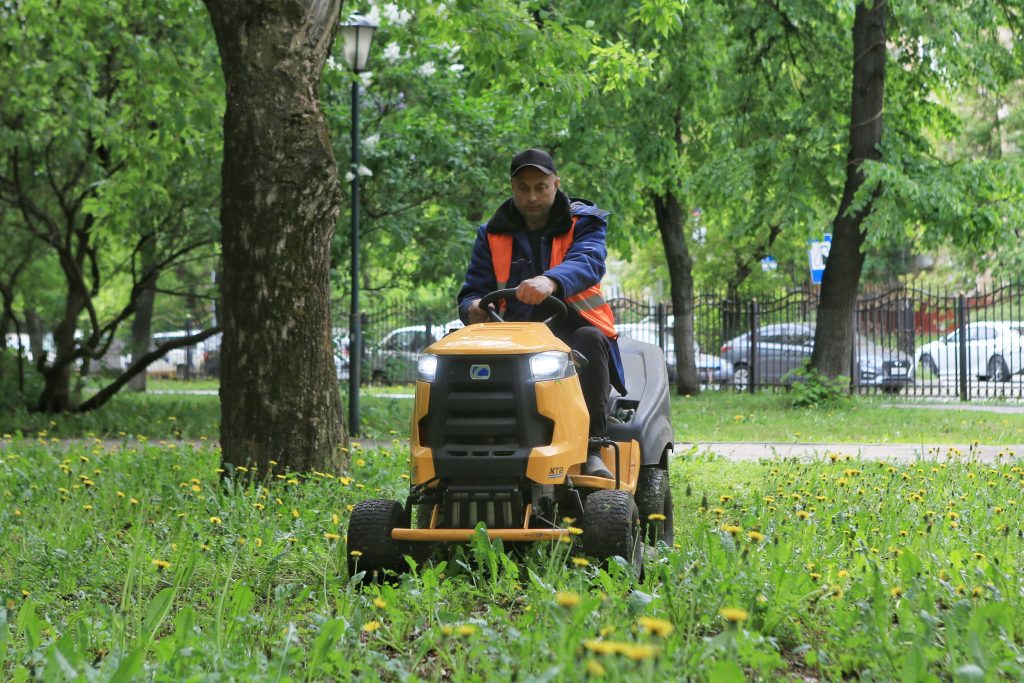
(817, 256)
(479, 371)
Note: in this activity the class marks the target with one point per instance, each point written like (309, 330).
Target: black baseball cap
(533, 157)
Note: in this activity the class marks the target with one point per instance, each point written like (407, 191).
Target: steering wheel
(500, 294)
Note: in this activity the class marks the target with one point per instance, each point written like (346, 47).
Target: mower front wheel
(370, 547)
(611, 527)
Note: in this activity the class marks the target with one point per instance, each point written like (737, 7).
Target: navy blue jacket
(583, 266)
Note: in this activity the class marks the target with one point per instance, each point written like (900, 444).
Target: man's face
(534, 193)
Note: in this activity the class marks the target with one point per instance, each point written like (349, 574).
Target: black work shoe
(595, 467)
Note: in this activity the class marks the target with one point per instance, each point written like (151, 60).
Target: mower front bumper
(463, 535)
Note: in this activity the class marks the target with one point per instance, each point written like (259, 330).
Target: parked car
(995, 351)
(710, 369)
(783, 348)
(393, 360)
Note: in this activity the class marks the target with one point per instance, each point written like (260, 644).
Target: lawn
(138, 561)
(711, 416)
(769, 417)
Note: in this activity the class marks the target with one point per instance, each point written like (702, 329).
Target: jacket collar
(507, 218)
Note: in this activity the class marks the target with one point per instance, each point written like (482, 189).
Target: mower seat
(644, 413)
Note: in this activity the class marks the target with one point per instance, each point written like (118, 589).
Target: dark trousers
(594, 378)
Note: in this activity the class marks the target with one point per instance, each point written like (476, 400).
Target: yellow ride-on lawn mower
(499, 435)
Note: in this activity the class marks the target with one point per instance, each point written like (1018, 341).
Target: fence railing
(908, 341)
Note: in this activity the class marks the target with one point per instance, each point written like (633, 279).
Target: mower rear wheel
(654, 497)
(370, 547)
(611, 526)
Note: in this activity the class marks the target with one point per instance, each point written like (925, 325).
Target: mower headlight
(549, 365)
(426, 367)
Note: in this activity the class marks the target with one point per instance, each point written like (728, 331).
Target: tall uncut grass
(142, 561)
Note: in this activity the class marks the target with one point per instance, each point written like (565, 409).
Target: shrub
(811, 389)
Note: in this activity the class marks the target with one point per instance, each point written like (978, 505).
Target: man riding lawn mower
(499, 436)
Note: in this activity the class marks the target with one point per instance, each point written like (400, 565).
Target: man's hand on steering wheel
(535, 290)
(477, 314)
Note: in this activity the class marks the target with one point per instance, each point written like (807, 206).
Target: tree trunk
(281, 199)
(669, 216)
(56, 396)
(142, 332)
(35, 330)
(833, 338)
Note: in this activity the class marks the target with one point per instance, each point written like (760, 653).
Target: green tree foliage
(108, 148)
(445, 105)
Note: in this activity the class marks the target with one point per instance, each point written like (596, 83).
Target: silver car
(710, 369)
(785, 347)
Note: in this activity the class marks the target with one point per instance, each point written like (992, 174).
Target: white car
(995, 351)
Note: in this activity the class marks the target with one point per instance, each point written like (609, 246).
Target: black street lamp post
(357, 35)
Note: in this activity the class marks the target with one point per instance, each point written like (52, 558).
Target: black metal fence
(908, 341)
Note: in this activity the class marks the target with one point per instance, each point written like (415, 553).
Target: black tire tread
(611, 527)
(369, 532)
(654, 496)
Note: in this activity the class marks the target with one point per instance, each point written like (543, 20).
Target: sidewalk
(891, 452)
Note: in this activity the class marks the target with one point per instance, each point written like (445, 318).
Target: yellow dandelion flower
(594, 668)
(371, 626)
(87, 507)
(295, 512)
(755, 536)
(574, 530)
(379, 602)
(465, 630)
(656, 517)
(258, 542)
(640, 652)
(567, 599)
(581, 561)
(732, 529)
(896, 591)
(977, 592)
(734, 614)
(803, 514)
(331, 537)
(657, 627)
(602, 647)
(216, 520)
(161, 564)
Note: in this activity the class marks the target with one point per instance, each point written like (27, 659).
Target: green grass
(182, 416)
(206, 384)
(729, 416)
(140, 562)
(709, 417)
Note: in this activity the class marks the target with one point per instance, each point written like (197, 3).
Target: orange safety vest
(589, 303)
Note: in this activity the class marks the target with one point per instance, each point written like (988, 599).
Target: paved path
(957, 407)
(892, 452)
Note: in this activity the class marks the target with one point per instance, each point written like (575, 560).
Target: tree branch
(104, 394)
